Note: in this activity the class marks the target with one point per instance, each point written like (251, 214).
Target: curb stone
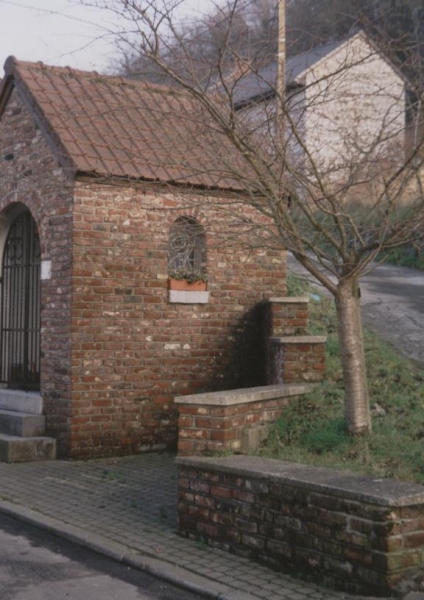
(125, 510)
(122, 554)
(154, 566)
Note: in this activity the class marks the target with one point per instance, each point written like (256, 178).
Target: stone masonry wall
(31, 177)
(133, 351)
(359, 534)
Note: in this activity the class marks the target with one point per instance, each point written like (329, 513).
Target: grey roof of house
(262, 83)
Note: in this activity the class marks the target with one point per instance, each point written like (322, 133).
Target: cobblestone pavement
(126, 509)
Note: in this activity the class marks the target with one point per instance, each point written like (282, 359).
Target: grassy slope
(312, 429)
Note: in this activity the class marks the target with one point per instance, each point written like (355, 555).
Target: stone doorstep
(21, 424)
(246, 395)
(17, 449)
(22, 427)
(20, 401)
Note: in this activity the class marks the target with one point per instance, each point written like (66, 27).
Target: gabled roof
(262, 84)
(110, 126)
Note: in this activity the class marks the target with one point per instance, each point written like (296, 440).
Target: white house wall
(349, 111)
(354, 108)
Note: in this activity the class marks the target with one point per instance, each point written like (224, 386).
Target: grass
(312, 430)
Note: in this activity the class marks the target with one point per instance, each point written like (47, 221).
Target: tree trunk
(358, 418)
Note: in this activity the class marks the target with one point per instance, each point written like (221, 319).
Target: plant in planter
(187, 280)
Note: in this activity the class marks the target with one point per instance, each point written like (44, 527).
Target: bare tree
(254, 28)
(250, 27)
(337, 190)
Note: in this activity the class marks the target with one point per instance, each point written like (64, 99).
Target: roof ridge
(321, 45)
(12, 64)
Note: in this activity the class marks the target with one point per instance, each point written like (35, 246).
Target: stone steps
(22, 428)
(19, 401)
(25, 449)
(21, 424)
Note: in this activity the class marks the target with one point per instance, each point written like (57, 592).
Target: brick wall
(132, 350)
(288, 316)
(115, 351)
(359, 534)
(292, 355)
(231, 421)
(294, 359)
(238, 420)
(31, 176)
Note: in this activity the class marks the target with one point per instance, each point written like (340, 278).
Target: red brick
(225, 436)
(220, 491)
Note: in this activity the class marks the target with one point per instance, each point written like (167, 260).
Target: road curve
(392, 305)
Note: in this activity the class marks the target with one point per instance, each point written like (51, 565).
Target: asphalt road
(392, 306)
(37, 566)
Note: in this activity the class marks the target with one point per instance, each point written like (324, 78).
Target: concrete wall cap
(246, 395)
(290, 300)
(300, 339)
(334, 482)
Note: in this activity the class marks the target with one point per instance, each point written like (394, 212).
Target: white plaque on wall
(46, 269)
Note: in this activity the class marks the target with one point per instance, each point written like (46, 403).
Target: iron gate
(20, 306)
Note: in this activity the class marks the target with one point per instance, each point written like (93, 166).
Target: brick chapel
(109, 189)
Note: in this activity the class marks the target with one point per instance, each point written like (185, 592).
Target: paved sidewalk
(126, 509)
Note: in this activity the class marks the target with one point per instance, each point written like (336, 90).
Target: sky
(64, 33)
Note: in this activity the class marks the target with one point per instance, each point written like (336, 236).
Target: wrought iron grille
(187, 250)
(20, 306)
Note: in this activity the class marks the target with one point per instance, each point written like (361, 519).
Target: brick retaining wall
(296, 358)
(233, 421)
(361, 534)
(289, 315)
(292, 354)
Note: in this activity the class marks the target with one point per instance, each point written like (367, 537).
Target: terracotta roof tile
(111, 126)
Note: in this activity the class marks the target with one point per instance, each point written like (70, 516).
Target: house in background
(107, 186)
(346, 104)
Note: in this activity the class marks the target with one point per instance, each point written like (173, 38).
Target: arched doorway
(20, 306)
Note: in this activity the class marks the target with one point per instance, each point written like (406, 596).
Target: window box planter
(183, 285)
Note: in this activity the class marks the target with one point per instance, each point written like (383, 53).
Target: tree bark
(358, 418)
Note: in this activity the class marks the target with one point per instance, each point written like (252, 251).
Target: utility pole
(281, 70)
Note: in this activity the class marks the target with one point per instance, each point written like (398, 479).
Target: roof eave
(290, 87)
(107, 178)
